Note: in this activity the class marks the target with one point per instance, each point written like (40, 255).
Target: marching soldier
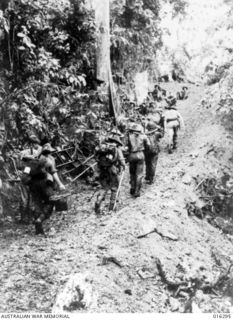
(173, 121)
(111, 162)
(41, 177)
(136, 143)
(154, 132)
(183, 94)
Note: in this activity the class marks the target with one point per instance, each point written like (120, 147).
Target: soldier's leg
(24, 206)
(112, 199)
(170, 139)
(148, 166)
(99, 199)
(36, 204)
(132, 171)
(115, 180)
(44, 205)
(153, 165)
(45, 212)
(139, 177)
(38, 211)
(175, 136)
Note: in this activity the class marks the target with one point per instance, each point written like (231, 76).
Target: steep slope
(34, 269)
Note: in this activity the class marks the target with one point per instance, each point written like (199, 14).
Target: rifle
(118, 190)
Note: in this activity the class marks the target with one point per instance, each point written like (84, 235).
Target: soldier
(27, 155)
(154, 132)
(111, 162)
(115, 132)
(183, 94)
(142, 109)
(136, 143)
(173, 121)
(41, 178)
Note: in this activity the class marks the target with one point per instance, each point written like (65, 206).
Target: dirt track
(34, 269)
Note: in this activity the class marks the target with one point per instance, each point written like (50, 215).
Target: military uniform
(27, 156)
(110, 161)
(172, 122)
(154, 133)
(136, 142)
(42, 175)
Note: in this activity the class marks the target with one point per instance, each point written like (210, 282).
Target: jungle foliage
(47, 63)
(47, 59)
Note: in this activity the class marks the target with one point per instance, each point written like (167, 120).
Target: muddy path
(33, 269)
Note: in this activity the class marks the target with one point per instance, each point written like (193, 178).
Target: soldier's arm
(58, 181)
(146, 142)
(181, 120)
(165, 121)
(55, 176)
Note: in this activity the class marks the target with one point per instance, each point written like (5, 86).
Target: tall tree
(103, 68)
(103, 40)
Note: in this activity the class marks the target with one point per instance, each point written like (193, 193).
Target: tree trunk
(103, 40)
(103, 69)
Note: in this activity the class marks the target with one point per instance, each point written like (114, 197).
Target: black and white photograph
(116, 158)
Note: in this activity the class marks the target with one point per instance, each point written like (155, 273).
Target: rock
(194, 154)
(147, 224)
(219, 222)
(145, 274)
(77, 295)
(187, 179)
(195, 308)
(128, 291)
(174, 303)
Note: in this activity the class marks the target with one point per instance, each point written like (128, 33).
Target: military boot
(38, 227)
(138, 188)
(132, 185)
(100, 198)
(170, 149)
(97, 207)
(151, 181)
(137, 194)
(112, 200)
(132, 191)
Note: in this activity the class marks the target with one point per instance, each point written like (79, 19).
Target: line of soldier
(155, 98)
(141, 145)
(141, 149)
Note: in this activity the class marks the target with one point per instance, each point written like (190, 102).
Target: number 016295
(222, 316)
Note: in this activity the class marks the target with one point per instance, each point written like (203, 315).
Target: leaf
(71, 79)
(6, 25)
(21, 35)
(82, 80)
